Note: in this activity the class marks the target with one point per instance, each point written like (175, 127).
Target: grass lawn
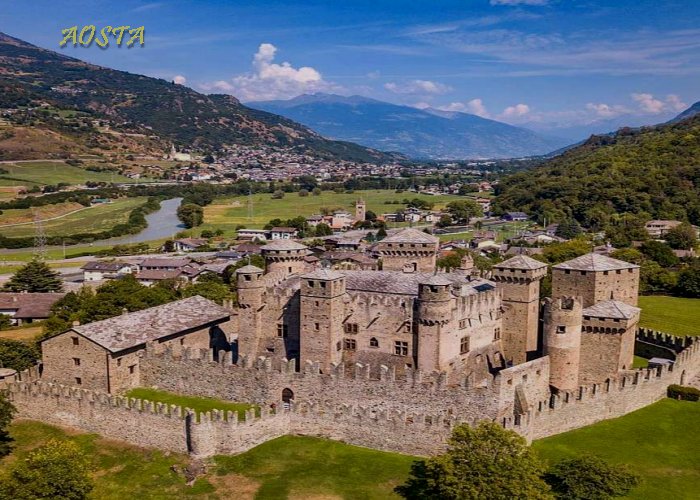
(49, 172)
(198, 404)
(674, 315)
(307, 467)
(659, 442)
(640, 362)
(91, 220)
(28, 332)
(229, 212)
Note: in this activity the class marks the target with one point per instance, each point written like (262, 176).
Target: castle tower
(284, 256)
(322, 310)
(251, 292)
(596, 278)
(409, 250)
(434, 312)
(519, 279)
(562, 341)
(466, 265)
(607, 340)
(360, 210)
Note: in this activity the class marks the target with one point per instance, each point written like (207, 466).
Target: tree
(7, 412)
(303, 193)
(190, 214)
(17, 354)
(35, 276)
(589, 478)
(59, 469)
(568, 229)
(323, 230)
(381, 234)
(370, 216)
(659, 252)
(463, 210)
(682, 237)
(445, 220)
(560, 252)
(486, 461)
(689, 282)
(218, 292)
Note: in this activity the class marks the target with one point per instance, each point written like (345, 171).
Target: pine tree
(36, 276)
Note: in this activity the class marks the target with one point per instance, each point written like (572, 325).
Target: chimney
(76, 323)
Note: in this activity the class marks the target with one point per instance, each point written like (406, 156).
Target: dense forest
(630, 176)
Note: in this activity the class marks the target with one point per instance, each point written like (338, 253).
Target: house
(105, 355)
(245, 249)
(150, 277)
(659, 228)
(163, 264)
(189, 244)
(253, 234)
(314, 220)
(283, 233)
(515, 217)
(97, 270)
(27, 307)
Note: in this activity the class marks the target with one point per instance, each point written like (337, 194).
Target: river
(162, 223)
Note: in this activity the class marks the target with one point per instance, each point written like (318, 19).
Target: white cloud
(675, 103)
(602, 110)
(519, 2)
(651, 105)
(422, 105)
(475, 107)
(373, 75)
(517, 111)
(270, 80)
(179, 79)
(417, 87)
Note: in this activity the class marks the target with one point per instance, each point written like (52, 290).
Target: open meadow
(675, 315)
(227, 213)
(40, 173)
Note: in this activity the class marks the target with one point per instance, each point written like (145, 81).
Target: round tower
(466, 264)
(434, 311)
(562, 341)
(251, 298)
(250, 286)
(284, 256)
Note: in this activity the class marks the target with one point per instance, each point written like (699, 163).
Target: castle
(403, 353)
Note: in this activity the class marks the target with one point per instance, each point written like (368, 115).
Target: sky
(561, 66)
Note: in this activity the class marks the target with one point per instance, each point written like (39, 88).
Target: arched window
(287, 395)
(373, 342)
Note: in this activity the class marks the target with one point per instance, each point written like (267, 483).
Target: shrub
(683, 393)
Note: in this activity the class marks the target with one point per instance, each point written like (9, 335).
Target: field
(28, 332)
(41, 173)
(674, 315)
(658, 442)
(227, 213)
(27, 215)
(197, 404)
(91, 220)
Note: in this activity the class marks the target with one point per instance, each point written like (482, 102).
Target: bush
(683, 393)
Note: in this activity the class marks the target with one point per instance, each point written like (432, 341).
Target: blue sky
(546, 64)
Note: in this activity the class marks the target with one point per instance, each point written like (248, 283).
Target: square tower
(409, 250)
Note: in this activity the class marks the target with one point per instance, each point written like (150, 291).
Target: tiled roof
(164, 262)
(136, 328)
(97, 265)
(158, 274)
(283, 245)
(437, 279)
(521, 262)
(323, 274)
(595, 262)
(283, 230)
(611, 309)
(249, 269)
(410, 235)
(396, 282)
(29, 305)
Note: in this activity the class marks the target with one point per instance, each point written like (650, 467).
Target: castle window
(464, 345)
(561, 329)
(350, 344)
(583, 273)
(182, 341)
(247, 277)
(311, 284)
(400, 348)
(317, 303)
(76, 361)
(497, 334)
(373, 342)
(351, 328)
(587, 318)
(317, 326)
(618, 272)
(567, 271)
(76, 340)
(119, 361)
(338, 346)
(132, 369)
(78, 381)
(462, 324)
(323, 284)
(270, 350)
(282, 330)
(605, 273)
(407, 327)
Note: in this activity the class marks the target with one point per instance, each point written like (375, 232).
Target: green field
(197, 404)
(674, 315)
(49, 172)
(658, 442)
(227, 213)
(91, 220)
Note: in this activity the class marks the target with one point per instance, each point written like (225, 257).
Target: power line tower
(250, 204)
(39, 238)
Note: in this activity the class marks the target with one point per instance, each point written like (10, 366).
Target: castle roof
(323, 274)
(595, 262)
(283, 245)
(249, 269)
(397, 282)
(521, 262)
(136, 328)
(410, 235)
(613, 309)
(437, 279)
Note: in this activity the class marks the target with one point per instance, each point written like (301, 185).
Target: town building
(98, 270)
(25, 308)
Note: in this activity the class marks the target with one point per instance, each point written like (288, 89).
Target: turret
(519, 279)
(466, 265)
(562, 341)
(360, 210)
(251, 299)
(434, 312)
(284, 256)
(409, 250)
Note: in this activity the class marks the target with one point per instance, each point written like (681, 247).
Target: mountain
(418, 133)
(649, 171)
(38, 78)
(691, 111)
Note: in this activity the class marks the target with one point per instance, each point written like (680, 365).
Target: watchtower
(562, 341)
(519, 278)
(434, 313)
(284, 256)
(251, 299)
(360, 210)
(409, 250)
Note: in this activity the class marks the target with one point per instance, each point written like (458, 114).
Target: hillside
(417, 133)
(32, 77)
(691, 111)
(653, 171)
